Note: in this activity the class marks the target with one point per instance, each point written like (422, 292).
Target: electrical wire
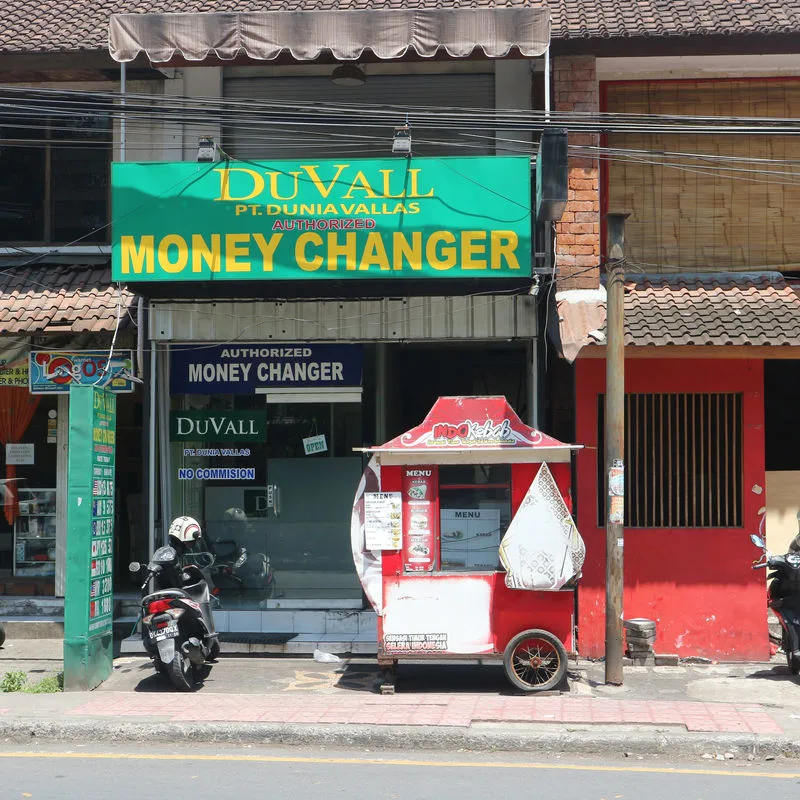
(198, 109)
(107, 367)
(464, 122)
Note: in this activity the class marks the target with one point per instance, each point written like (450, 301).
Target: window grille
(683, 461)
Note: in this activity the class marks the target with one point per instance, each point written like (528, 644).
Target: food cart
(464, 543)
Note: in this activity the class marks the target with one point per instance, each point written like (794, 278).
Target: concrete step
(20, 606)
(300, 644)
(13, 606)
(53, 628)
(289, 632)
(20, 627)
(127, 608)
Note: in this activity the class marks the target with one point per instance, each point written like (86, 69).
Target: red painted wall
(696, 583)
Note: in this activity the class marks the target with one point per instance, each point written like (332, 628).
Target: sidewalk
(688, 710)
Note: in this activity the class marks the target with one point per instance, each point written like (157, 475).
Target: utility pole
(615, 442)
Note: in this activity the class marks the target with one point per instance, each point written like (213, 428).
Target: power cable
(198, 109)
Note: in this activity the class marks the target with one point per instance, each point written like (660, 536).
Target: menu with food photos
(419, 519)
(383, 520)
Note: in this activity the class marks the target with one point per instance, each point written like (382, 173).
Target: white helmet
(185, 529)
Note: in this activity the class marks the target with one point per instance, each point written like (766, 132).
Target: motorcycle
(247, 573)
(783, 594)
(177, 623)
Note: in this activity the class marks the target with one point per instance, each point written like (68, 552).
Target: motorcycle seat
(197, 591)
(164, 593)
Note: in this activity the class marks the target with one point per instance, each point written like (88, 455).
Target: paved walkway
(460, 710)
(748, 710)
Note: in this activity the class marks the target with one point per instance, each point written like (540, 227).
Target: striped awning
(347, 34)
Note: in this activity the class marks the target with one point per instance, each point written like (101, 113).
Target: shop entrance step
(19, 627)
(289, 632)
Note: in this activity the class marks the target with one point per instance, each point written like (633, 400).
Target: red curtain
(16, 412)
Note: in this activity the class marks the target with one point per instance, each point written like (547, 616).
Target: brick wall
(575, 88)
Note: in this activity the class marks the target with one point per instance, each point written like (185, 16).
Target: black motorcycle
(177, 623)
(236, 570)
(784, 596)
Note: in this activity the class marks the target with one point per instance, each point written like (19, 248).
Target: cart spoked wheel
(535, 661)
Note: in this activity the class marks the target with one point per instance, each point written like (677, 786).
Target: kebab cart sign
(88, 609)
(54, 372)
(250, 368)
(467, 423)
(463, 217)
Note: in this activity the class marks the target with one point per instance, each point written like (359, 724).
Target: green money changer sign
(89, 596)
(345, 219)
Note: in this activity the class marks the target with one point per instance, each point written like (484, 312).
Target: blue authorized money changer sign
(246, 368)
(89, 596)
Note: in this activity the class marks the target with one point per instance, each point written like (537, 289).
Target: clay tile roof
(74, 25)
(718, 309)
(573, 19)
(52, 298)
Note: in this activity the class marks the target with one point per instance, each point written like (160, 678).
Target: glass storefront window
(272, 485)
(475, 512)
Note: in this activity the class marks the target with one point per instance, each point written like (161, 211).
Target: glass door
(312, 476)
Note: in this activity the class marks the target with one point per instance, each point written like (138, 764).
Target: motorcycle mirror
(134, 566)
(757, 541)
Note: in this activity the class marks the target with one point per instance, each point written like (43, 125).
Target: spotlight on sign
(401, 143)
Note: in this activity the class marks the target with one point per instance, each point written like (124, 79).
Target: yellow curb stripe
(401, 762)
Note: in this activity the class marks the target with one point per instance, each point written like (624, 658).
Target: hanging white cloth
(542, 549)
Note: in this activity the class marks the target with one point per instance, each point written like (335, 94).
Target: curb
(484, 737)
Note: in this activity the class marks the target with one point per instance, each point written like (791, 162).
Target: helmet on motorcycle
(794, 546)
(235, 514)
(185, 530)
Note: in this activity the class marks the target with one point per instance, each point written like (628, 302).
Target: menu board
(382, 520)
(471, 538)
(419, 541)
(89, 597)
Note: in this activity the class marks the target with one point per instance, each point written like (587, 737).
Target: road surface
(212, 772)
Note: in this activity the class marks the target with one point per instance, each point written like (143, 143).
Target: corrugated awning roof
(61, 299)
(346, 33)
(750, 309)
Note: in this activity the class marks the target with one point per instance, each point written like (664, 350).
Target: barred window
(683, 461)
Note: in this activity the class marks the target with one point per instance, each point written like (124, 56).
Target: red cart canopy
(456, 427)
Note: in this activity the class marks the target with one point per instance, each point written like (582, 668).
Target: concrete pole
(615, 443)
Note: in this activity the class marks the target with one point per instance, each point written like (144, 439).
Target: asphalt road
(208, 773)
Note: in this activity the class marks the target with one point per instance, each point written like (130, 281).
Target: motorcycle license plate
(160, 634)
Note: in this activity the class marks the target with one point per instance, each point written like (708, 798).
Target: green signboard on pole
(89, 596)
(401, 218)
